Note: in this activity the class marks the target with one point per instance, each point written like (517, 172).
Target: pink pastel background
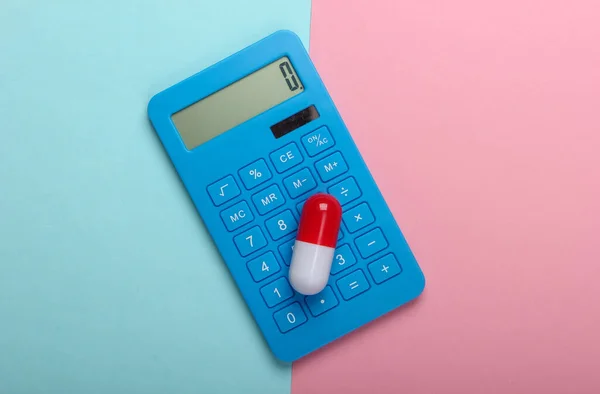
(480, 121)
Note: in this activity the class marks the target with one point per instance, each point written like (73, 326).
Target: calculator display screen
(238, 102)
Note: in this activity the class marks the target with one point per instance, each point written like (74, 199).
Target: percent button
(255, 174)
(317, 141)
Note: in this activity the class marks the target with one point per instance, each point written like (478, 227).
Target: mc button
(236, 216)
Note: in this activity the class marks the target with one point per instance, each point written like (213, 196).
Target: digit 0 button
(290, 317)
(317, 141)
(287, 157)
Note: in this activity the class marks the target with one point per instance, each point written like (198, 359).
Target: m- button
(287, 157)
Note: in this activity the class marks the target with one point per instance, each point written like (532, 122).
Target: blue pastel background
(109, 282)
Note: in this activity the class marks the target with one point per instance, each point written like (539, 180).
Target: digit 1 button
(264, 266)
(290, 317)
(342, 259)
(281, 225)
(287, 157)
(255, 174)
(250, 241)
(237, 215)
(276, 292)
(317, 141)
(223, 190)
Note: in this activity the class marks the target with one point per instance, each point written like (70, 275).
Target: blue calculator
(251, 138)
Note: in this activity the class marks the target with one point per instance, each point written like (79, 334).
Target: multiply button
(384, 268)
(352, 285)
(236, 216)
(287, 157)
(331, 166)
(223, 190)
(317, 141)
(371, 243)
(358, 217)
(255, 174)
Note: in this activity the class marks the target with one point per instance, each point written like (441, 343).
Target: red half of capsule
(320, 220)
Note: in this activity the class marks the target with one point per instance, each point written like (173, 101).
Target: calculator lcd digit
(250, 155)
(238, 102)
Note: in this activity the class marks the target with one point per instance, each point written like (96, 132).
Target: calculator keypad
(263, 216)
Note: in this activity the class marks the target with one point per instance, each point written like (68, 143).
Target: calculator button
(287, 157)
(317, 141)
(276, 292)
(371, 243)
(384, 268)
(321, 302)
(286, 249)
(299, 183)
(345, 191)
(342, 259)
(290, 317)
(358, 217)
(268, 199)
(352, 285)
(237, 215)
(255, 174)
(250, 241)
(223, 190)
(281, 225)
(331, 166)
(264, 266)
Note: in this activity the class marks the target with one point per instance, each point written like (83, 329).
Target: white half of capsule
(310, 267)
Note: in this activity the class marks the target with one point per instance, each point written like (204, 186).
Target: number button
(345, 191)
(276, 292)
(287, 157)
(255, 174)
(268, 199)
(236, 216)
(317, 141)
(358, 217)
(342, 259)
(385, 268)
(223, 190)
(322, 302)
(281, 225)
(299, 183)
(371, 243)
(286, 250)
(264, 266)
(331, 166)
(250, 241)
(353, 284)
(290, 317)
